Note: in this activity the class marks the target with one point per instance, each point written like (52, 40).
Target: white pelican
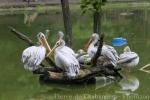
(83, 57)
(65, 60)
(107, 51)
(34, 55)
(128, 58)
(66, 48)
(80, 52)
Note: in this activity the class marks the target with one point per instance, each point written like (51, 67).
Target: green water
(18, 84)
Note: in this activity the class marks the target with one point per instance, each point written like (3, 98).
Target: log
(144, 68)
(84, 76)
(29, 42)
(21, 36)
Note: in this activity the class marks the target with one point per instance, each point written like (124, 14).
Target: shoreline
(41, 8)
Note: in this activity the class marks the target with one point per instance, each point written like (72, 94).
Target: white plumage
(128, 58)
(34, 55)
(110, 53)
(65, 60)
(83, 57)
(107, 51)
(80, 52)
(65, 48)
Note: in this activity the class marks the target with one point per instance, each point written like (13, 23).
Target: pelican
(66, 48)
(64, 60)
(34, 55)
(128, 58)
(80, 52)
(83, 57)
(107, 51)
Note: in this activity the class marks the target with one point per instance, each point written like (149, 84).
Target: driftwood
(85, 75)
(21, 36)
(29, 42)
(55, 75)
(144, 68)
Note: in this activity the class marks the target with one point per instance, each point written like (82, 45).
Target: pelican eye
(58, 43)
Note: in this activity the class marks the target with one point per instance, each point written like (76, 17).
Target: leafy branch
(92, 5)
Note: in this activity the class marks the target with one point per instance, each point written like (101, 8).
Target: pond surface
(18, 84)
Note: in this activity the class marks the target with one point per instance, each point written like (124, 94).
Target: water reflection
(29, 18)
(128, 85)
(126, 13)
(94, 84)
(60, 91)
(103, 81)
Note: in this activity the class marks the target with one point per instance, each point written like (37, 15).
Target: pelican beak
(87, 45)
(52, 50)
(45, 43)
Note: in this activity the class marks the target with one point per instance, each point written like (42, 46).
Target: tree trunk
(67, 22)
(97, 22)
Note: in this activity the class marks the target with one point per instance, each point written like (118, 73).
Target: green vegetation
(73, 7)
(92, 5)
(18, 84)
(96, 7)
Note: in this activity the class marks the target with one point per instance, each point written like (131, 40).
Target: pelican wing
(73, 63)
(69, 50)
(108, 54)
(67, 62)
(113, 51)
(127, 57)
(27, 54)
(33, 56)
